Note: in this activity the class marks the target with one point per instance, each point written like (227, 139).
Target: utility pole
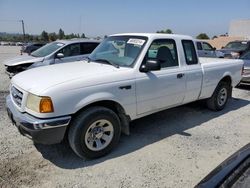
(23, 30)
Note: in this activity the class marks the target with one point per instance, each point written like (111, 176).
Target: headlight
(39, 104)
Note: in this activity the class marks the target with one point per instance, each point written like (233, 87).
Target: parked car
(60, 51)
(204, 49)
(19, 44)
(235, 49)
(128, 76)
(246, 70)
(5, 43)
(30, 47)
(233, 172)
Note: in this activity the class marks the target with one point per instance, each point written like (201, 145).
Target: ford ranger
(126, 77)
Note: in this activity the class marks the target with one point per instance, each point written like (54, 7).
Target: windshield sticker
(139, 42)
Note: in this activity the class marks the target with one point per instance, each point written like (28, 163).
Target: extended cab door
(164, 88)
(193, 72)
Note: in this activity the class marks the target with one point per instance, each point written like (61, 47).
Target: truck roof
(157, 35)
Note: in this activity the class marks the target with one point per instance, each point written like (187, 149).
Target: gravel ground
(173, 148)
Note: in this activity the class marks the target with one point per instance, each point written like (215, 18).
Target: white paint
(75, 85)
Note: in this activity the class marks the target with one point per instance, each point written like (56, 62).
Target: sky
(99, 17)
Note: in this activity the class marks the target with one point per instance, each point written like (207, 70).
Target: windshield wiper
(107, 62)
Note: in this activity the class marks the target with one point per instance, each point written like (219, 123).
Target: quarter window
(199, 47)
(189, 51)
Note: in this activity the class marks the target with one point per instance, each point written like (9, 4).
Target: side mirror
(151, 65)
(60, 55)
(222, 47)
(214, 49)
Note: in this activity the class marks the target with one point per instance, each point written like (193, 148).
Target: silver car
(204, 49)
(60, 51)
(246, 69)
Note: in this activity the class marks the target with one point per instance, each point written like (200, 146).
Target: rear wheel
(220, 97)
(94, 132)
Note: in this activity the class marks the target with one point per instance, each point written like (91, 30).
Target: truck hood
(22, 60)
(40, 79)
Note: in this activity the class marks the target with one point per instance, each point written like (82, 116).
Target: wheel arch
(227, 78)
(112, 105)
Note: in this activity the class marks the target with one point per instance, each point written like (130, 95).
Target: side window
(87, 48)
(207, 46)
(71, 50)
(190, 53)
(163, 50)
(198, 44)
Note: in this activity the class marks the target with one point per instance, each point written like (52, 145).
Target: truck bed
(214, 60)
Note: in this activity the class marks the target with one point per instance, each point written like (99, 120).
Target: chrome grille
(17, 96)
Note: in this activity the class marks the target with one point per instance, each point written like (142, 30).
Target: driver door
(164, 88)
(71, 53)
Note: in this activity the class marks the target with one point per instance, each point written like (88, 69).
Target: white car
(128, 76)
(60, 51)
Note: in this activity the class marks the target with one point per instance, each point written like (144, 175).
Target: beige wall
(222, 41)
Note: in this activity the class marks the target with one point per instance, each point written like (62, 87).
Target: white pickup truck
(127, 76)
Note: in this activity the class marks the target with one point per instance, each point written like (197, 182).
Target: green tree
(202, 36)
(61, 34)
(214, 37)
(167, 31)
(44, 36)
(83, 36)
(36, 38)
(52, 36)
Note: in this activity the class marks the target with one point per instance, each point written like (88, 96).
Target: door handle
(125, 87)
(180, 75)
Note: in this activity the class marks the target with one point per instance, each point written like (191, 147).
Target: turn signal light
(46, 105)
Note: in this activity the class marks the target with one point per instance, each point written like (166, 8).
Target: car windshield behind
(246, 56)
(47, 49)
(236, 45)
(119, 50)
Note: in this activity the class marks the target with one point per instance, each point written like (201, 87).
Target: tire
(94, 132)
(220, 97)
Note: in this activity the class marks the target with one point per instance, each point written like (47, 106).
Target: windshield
(119, 50)
(236, 45)
(47, 49)
(246, 55)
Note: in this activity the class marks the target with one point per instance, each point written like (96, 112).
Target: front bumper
(245, 80)
(44, 131)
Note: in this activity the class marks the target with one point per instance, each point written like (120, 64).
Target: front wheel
(94, 132)
(220, 97)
